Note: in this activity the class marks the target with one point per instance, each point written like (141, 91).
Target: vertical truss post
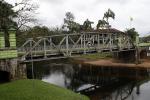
(128, 44)
(94, 37)
(119, 41)
(31, 44)
(44, 47)
(50, 43)
(110, 42)
(98, 42)
(84, 43)
(67, 46)
(31, 47)
(103, 40)
(81, 41)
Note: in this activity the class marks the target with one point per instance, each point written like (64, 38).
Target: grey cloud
(52, 12)
(53, 1)
(122, 2)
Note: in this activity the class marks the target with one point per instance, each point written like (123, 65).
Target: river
(93, 82)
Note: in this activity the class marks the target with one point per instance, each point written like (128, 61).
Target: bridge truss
(67, 45)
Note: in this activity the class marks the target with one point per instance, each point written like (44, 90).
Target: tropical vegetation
(132, 33)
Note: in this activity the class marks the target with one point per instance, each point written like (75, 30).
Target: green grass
(36, 90)
(103, 55)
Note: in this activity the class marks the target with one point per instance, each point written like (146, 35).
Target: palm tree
(101, 24)
(109, 14)
(87, 25)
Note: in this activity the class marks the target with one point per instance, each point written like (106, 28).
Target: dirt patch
(144, 63)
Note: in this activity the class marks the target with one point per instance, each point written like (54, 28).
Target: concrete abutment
(15, 69)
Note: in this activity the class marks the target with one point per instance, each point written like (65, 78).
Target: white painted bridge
(67, 45)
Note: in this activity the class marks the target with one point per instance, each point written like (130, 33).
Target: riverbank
(36, 90)
(117, 63)
(110, 62)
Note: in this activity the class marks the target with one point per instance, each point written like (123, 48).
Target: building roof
(109, 30)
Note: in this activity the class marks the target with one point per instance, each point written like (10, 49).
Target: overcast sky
(52, 12)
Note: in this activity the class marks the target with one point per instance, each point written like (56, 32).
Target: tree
(145, 39)
(69, 17)
(68, 20)
(6, 19)
(70, 24)
(87, 25)
(17, 15)
(132, 33)
(26, 11)
(109, 14)
(101, 24)
(37, 31)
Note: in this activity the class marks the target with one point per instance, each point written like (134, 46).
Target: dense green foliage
(6, 15)
(37, 31)
(16, 16)
(132, 33)
(6, 19)
(145, 39)
(87, 25)
(101, 24)
(104, 23)
(70, 24)
(109, 14)
(36, 90)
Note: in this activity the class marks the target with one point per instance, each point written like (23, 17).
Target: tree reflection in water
(112, 85)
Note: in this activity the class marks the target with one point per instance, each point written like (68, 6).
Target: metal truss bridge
(68, 45)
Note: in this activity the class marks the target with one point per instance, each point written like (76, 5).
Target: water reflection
(113, 92)
(57, 78)
(98, 83)
(126, 92)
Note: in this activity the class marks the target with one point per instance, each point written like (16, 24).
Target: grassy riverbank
(36, 90)
(104, 55)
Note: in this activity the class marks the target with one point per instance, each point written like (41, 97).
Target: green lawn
(36, 90)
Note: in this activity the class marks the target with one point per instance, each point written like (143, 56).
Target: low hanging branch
(25, 11)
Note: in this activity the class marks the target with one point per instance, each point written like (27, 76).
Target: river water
(96, 83)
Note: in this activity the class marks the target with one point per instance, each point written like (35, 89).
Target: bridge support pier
(14, 68)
